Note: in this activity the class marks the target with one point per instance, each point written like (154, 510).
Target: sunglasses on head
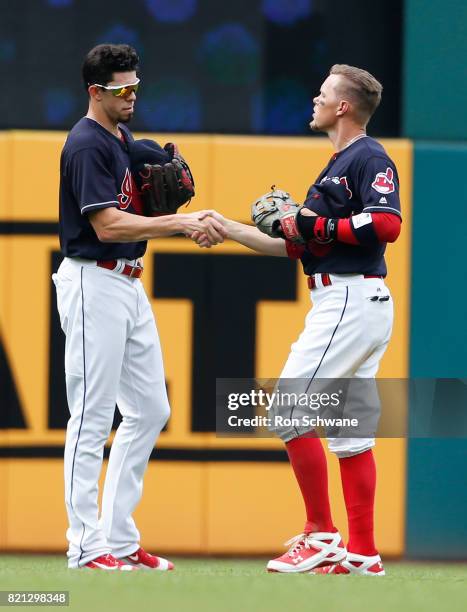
(120, 91)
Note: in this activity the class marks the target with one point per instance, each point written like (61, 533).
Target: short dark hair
(102, 61)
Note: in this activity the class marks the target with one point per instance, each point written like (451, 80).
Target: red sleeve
(386, 226)
(345, 233)
(294, 250)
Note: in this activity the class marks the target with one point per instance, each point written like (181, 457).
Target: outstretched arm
(248, 235)
(114, 225)
(251, 237)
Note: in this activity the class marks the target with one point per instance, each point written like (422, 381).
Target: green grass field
(241, 585)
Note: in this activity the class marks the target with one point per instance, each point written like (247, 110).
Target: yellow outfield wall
(192, 502)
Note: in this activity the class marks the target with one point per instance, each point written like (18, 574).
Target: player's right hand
(214, 214)
(204, 223)
(201, 239)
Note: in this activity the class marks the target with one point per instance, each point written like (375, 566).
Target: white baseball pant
(346, 333)
(112, 355)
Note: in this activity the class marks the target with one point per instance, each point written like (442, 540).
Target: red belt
(127, 270)
(326, 279)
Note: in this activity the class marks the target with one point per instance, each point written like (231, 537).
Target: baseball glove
(166, 186)
(274, 213)
(162, 177)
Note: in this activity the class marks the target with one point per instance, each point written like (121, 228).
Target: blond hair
(361, 88)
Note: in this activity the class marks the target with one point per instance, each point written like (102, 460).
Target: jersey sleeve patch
(384, 181)
(379, 186)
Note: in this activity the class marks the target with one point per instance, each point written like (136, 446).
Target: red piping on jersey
(387, 228)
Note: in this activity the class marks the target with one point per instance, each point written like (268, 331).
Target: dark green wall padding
(436, 525)
(435, 70)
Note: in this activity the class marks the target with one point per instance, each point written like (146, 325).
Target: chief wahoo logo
(383, 182)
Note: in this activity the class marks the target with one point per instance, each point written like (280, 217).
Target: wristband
(321, 228)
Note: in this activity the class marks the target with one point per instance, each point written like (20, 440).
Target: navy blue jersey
(94, 174)
(360, 178)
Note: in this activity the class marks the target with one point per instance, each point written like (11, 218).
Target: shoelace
(297, 543)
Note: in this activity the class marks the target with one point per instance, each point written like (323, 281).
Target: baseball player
(351, 212)
(112, 352)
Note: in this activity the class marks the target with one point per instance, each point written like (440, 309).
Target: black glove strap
(306, 226)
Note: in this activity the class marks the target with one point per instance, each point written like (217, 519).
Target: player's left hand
(162, 176)
(275, 214)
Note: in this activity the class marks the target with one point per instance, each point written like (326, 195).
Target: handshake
(275, 215)
(205, 227)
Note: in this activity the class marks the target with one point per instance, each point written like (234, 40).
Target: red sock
(358, 474)
(308, 460)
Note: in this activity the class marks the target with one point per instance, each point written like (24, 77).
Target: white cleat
(143, 560)
(110, 564)
(308, 551)
(359, 565)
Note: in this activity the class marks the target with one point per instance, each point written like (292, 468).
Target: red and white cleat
(109, 563)
(143, 560)
(308, 551)
(359, 565)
